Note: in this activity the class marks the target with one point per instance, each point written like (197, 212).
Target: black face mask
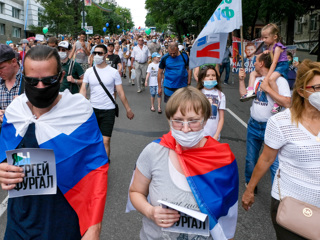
(42, 97)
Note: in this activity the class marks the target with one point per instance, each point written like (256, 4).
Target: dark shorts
(282, 233)
(166, 98)
(105, 120)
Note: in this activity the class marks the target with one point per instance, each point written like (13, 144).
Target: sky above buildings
(138, 11)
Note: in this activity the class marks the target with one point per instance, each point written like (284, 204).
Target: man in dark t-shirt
(113, 59)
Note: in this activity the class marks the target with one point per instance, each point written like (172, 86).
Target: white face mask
(188, 139)
(314, 100)
(62, 55)
(98, 59)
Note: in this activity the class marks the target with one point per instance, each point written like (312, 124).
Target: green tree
(58, 15)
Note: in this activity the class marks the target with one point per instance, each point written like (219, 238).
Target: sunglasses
(46, 80)
(99, 53)
(96, 38)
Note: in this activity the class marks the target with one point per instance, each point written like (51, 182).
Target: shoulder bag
(107, 92)
(298, 217)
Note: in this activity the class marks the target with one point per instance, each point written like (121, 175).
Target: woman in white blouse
(293, 135)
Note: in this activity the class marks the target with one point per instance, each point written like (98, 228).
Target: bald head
(173, 45)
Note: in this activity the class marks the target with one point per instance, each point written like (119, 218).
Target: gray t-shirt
(81, 56)
(153, 163)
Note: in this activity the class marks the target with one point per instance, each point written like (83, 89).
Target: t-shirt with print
(263, 103)
(217, 101)
(153, 70)
(153, 163)
(113, 60)
(109, 77)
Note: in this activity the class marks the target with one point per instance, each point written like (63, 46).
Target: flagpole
(241, 35)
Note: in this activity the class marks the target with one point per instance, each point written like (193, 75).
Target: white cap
(64, 44)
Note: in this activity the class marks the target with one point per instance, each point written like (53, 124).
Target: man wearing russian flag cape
(189, 170)
(65, 124)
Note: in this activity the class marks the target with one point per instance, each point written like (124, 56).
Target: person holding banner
(187, 169)
(65, 125)
(271, 37)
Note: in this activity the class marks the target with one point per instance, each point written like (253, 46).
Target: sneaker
(250, 94)
(132, 83)
(129, 81)
(139, 91)
(225, 83)
(124, 76)
(275, 109)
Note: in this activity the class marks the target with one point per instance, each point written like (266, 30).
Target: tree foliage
(185, 16)
(64, 17)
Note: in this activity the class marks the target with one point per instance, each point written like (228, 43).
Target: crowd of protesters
(96, 67)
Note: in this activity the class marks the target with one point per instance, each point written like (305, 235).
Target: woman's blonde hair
(306, 71)
(186, 99)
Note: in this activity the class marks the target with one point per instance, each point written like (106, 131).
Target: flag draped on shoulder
(210, 45)
(70, 128)
(212, 174)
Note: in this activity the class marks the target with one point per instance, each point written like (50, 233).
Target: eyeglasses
(99, 53)
(195, 125)
(96, 38)
(316, 88)
(46, 80)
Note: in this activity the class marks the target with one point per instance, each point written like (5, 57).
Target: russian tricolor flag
(70, 128)
(212, 174)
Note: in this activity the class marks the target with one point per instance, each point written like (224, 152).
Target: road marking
(236, 117)
(3, 206)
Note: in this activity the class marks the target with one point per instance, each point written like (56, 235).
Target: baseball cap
(155, 54)
(111, 44)
(6, 53)
(64, 44)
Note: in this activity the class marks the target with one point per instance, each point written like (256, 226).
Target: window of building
(15, 12)
(313, 22)
(299, 26)
(40, 12)
(1, 7)
(16, 32)
(2, 29)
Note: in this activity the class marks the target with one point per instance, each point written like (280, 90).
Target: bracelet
(75, 81)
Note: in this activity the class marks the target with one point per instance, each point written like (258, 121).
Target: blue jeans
(255, 139)
(227, 67)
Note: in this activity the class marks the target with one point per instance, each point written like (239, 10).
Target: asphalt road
(130, 137)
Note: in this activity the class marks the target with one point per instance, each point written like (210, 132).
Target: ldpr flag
(210, 45)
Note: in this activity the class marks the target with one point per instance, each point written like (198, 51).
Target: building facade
(13, 24)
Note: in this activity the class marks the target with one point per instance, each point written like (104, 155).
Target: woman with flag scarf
(189, 170)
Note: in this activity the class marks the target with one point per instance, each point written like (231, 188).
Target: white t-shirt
(263, 103)
(299, 159)
(217, 101)
(109, 77)
(153, 70)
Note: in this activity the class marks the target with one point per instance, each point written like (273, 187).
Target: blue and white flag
(210, 45)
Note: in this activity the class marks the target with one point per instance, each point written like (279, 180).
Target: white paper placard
(39, 168)
(190, 221)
